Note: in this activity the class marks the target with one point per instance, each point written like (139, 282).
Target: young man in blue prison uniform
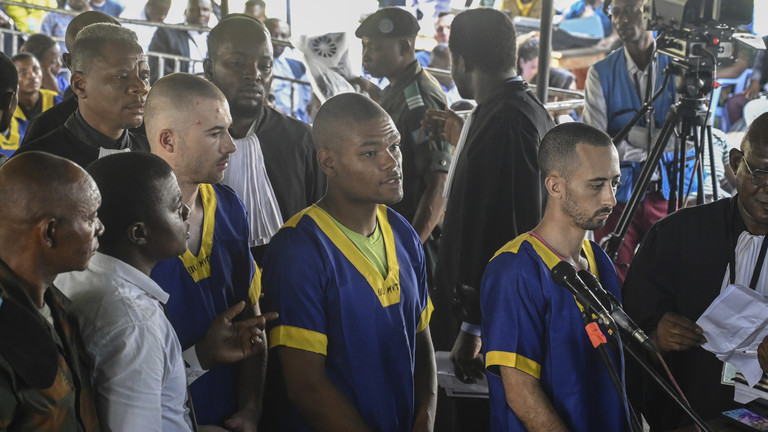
(347, 277)
(217, 270)
(544, 373)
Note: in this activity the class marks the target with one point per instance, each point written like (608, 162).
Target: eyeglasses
(759, 176)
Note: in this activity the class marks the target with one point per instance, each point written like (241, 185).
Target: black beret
(388, 22)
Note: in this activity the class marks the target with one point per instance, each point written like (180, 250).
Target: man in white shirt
(139, 372)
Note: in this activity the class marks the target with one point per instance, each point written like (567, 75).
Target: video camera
(699, 35)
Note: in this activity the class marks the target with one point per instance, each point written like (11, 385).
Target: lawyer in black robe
(679, 268)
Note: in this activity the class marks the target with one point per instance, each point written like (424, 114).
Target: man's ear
(555, 185)
(327, 161)
(137, 233)
(78, 84)
(167, 140)
(735, 159)
(461, 64)
(208, 68)
(47, 229)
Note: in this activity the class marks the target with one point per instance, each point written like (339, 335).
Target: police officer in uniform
(388, 37)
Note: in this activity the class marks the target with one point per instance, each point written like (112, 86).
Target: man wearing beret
(388, 38)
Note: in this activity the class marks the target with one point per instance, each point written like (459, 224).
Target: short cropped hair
(91, 39)
(485, 39)
(9, 76)
(23, 56)
(83, 20)
(38, 44)
(345, 108)
(230, 27)
(128, 183)
(256, 3)
(557, 151)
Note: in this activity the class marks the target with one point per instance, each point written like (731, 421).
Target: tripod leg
(711, 147)
(698, 146)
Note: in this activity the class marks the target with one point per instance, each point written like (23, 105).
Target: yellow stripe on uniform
(295, 337)
(426, 316)
(513, 360)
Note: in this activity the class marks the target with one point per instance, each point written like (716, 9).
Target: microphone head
(589, 279)
(562, 272)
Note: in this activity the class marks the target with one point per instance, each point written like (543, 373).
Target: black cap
(388, 22)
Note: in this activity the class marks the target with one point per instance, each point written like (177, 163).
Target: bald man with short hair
(348, 278)
(51, 228)
(187, 122)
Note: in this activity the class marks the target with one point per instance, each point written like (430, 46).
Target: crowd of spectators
(150, 173)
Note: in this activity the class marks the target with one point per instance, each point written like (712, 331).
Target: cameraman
(616, 88)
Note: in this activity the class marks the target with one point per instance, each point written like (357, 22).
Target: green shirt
(372, 247)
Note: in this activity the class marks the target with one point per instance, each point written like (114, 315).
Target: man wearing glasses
(684, 262)
(615, 89)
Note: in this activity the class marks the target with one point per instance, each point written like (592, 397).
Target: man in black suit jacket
(181, 42)
(110, 77)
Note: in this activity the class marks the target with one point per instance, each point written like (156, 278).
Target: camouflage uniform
(44, 382)
(413, 92)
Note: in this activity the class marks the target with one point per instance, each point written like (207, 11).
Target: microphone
(617, 313)
(565, 274)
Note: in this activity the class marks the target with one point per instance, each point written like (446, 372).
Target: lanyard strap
(758, 265)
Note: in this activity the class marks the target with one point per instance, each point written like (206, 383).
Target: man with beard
(348, 277)
(110, 78)
(274, 170)
(545, 374)
(216, 271)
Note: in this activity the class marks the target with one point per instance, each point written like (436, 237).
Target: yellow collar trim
(386, 289)
(199, 267)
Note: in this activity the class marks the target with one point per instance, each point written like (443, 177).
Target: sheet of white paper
(734, 323)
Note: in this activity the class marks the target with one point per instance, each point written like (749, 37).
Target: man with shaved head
(545, 374)
(348, 278)
(187, 123)
(110, 78)
(274, 171)
(50, 228)
(683, 263)
(58, 114)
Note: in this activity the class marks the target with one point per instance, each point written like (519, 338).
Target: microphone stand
(666, 387)
(633, 422)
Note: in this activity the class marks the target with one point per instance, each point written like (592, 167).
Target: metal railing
(574, 99)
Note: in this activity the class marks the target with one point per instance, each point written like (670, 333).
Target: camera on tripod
(698, 35)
